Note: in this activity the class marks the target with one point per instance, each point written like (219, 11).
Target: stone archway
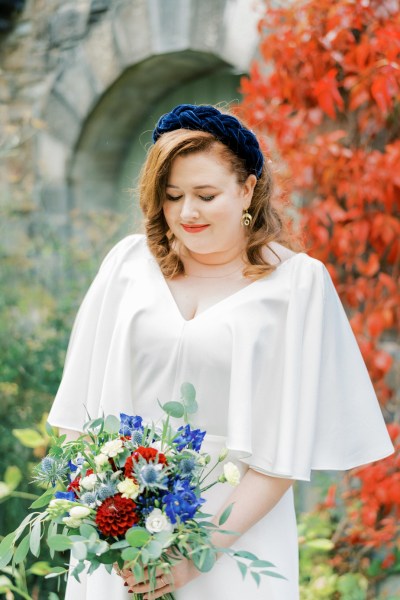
(134, 55)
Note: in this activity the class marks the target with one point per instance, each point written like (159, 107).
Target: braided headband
(224, 128)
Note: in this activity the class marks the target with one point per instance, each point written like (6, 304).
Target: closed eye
(173, 198)
(207, 198)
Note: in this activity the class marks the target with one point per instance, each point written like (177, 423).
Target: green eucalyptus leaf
(256, 576)
(40, 568)
(154, 549)
(34, 539)
(59, 542)
(242, 568)
(188, 393)
(261, 564)
(7, 549)
(245, 554)
(112, 424)
(88, 531)
(204, 560)
(78, 550)
(56, 572)
(145, 556)
(130, 553)
(138, 572)
(174, 409)
(272, 574)
(101, 547)
(137, 536)
(119, 545)
(43, 500)
(225, 515)
(22, 550)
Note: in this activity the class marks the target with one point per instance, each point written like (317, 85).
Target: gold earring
(246, 218)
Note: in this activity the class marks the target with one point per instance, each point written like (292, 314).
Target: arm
(253, 498)
(71, 434)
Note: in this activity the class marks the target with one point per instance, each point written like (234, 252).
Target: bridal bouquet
(128, 493)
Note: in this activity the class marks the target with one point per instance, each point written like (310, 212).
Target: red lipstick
(194, 228)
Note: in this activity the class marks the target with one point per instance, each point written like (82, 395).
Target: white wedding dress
(279, 380)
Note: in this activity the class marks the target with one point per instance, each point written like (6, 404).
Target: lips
(194, 228)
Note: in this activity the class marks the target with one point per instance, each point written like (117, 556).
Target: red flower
(116, 515)
(74, 486)
(149, 454)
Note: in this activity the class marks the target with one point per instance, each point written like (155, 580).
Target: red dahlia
(116, 515)
(149, 454)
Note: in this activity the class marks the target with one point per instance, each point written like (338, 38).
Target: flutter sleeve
(96, 370)
(313, 406)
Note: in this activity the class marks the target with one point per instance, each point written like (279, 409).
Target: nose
(189, 210)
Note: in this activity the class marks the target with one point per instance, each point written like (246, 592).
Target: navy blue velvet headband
(225, 128)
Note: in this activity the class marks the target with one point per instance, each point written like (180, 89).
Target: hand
(181, 573)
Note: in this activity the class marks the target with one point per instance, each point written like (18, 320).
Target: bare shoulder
(276, 254)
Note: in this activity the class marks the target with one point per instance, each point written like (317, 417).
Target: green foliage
(42, 281)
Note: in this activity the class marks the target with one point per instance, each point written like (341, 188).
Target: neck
(216, 263)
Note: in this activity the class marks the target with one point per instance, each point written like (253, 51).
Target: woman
(213, 294)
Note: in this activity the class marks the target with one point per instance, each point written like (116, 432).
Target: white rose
(79, 512)
(101, 460)
(128, 488)
(89, 482)
(112, 448)
(157, 521)
(232, 474)
(71, 522)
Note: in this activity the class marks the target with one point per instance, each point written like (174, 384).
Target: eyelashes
(176, 198)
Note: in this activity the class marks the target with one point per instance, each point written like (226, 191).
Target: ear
(248, 190)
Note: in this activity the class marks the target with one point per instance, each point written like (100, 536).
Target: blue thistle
(105, 491)
(51, 471)
(89, 498)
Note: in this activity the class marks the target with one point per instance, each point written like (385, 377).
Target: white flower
(89, 482)
(128, 488)
(79, 512)
(112, 448)
(231, 473)
(223, 454)
(71, 522)
(157, 521)
(101, 460)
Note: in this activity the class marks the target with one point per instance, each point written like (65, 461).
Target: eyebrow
(196, 187)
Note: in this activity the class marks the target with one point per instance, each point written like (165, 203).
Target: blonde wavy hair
(268, 224)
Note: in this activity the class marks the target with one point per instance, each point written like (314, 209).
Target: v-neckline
(219, 302)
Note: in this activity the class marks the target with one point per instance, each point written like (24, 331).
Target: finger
(141, 588)
(168, 589)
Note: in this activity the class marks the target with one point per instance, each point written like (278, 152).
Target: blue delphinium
(182, 503)
(65, 496)
(189, 438)
(130, 424)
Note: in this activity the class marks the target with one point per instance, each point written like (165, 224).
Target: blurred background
(82, 84)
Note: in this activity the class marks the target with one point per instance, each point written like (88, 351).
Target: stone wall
(63, 61)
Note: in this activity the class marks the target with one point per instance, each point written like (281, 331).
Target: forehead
(195, 165)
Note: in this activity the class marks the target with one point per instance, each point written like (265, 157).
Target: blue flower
(74, 466)
(189, 438)
(182, 503)
(129, 424)
(65, 496)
